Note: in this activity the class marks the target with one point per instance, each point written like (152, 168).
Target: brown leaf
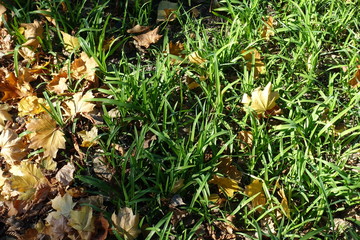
(246, 139)
(4, 115)
(225, 167)
(84, 68)
(83, 221)
(138, 29)
(58, 83)
(13, 149)
(253, 189)
(259, 66)
(79, 104)
(164, 11)
(2, 14)
(146, 39)
(101, 228)
(6, 42)
(268, 28)
(57, 228)
(66, 174)
(32, 32)
(14, 87)
(46, 135)
(31, 105)
(126, 223)
(355, 81)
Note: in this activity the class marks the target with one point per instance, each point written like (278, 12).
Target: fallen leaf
(2, 14)
(83, 68)
(227, 168)
(66, 174)
(70, 43)
(268, 28)
(177, 185)
(126, 223)
(246, 139)
(58, 84)
(261, 101)
(355, 81)
(176, 49)
(14, 87)
(63, 206)
(2, 179)
(284, 202)
(48, 163)
(26, 179)
(32, 32)
(46, 135)
(47, 15)
(79, 104)
(89, 137)
(4, 115)
(6, 42)
(138, 29)
(13, 148)
(101, 228)
(83, 221)
(57, 228)
(165, 11)
(259, 66)
(195, 58)
(227, 185)
(146, 39)
(31, 105)
(253, 189)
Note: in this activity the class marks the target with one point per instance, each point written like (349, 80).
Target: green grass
(191, 130)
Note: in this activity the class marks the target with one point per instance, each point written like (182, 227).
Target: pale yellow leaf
(126, 223)
(31, 105)
(13, 149)
(32, 32)
(63, 204)
(89, 137)
(79, 104)
(227, 185)
(70, 43)
(82, 220)
(83, 68)
(253, 189)
(46, 135)
(4, 115)
(146, 39)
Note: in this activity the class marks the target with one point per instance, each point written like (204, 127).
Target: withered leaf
(253, 189)
(146, 39)
(268, 28)
(4, 115)
(126, 223)
(32, 32)
(79, 104)
(70, 43)
(83, 221)
(66, 174)
(13, 149)
(46, 135)
(227, 185)
(259, 66)
(84, 68)
(31, 105)
(138, 29)
(355, 81)
(227, 168)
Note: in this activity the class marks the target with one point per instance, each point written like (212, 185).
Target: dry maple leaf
(70, 43)
(58, 83)
(89, 137)
(261, 101)
(63, 206)
(83, 221)
(227, 185)
(4, 115)
(253, 189)
(6, 42)
(15, 87)
(26, 179)
(13, 149)
(31, 105)
(83, 68)
(355, 81)
(45, 135)
(66, 174)
(32, 32)
(268, 28)
(284, 202)
(146, 39)
(57, 228)
(259, 66)
(138, 29)
(195, 58)
(79, 104)
(246, 139)
(126, 223)
(225, 167)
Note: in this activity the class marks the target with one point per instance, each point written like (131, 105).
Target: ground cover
(179, 120)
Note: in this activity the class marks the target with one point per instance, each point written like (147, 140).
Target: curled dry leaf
(126, 223)
(84, 68)
(195, 58)
(15, 87)
(45, 134)
(31, 105)
(6, 42)
(253, 59)
(66, 174)
(13, 148)
(227, 185)
(79, 104)
(2, 14)
(255, 188)
(138, 29)
(261, 101)
(32, 32)
(70, 43)
(26, 179)
(58, 83)
(355, 81)
(268, 28)
(4, 115)
(89, 137)
(146, 39)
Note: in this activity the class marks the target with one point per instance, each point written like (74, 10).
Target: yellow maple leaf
(284, 202)
(79, 103)
(70, 43)
(83, 221)
(227, 185)
(46, 135)
(63, 206)
(89, 137)
(259, 66)
(126, 223)
(253, 189)
(31, 105)
(261, 101)
(4, 115)
(26, 179)
(12, 148)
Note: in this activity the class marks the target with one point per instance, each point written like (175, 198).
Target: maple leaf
(284, 202)
(355, 81)
(253, 189)
(261, 101)
(4, 115)
(89, 137)
(57, 228)
(26, 179)
(195, 58)
(83, 221)
(146, 39)
(32, 32)
(66, 174)
(79, 104)
(13, 149)
(225, 167)
(2, 179)
(63, 206)
(83, 68)
(45, 135)
(126, 223)
(15, 87)
(268, 28)
(258, 64)
(31, 105)
(58, 83)
(227, 185)
(71, 43)
(6, 42)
